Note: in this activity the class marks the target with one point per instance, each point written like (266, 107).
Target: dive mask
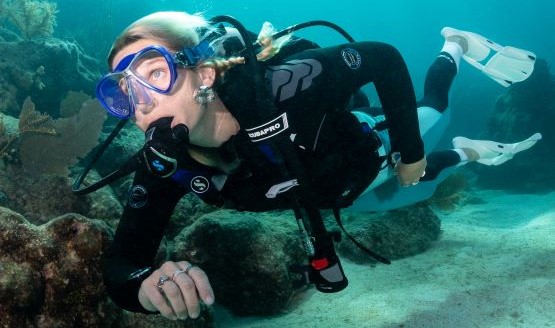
(130, 85)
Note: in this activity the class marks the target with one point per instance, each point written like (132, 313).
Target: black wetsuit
(314, 88)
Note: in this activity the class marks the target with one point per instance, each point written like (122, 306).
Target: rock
(246, 257)
(47, 71)
(44, 197)
(19, 283)
(51, 275)
(527, 107)
(392, 234)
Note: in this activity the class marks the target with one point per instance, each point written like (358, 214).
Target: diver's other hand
(176, 290)
(410, 174)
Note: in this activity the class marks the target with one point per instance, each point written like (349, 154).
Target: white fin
(506, 65)
(495, 153)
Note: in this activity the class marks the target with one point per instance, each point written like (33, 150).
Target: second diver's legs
(433, 114)
(390, 195)
(466, 150)
(431, 107)
(385, 193)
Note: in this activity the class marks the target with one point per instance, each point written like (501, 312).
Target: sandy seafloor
(494, 266)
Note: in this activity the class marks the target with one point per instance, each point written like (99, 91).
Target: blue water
(412, 26)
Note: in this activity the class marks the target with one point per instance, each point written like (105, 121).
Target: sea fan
(32, 18)
(32, 121)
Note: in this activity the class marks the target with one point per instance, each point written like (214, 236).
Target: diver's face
(178, 103)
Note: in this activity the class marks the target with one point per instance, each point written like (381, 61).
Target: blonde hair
(179, 30)
(176, 29)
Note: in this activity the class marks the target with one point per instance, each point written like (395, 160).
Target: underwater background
(480, 253)
(412, 26)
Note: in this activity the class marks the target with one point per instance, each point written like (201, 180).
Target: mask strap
(191, 56)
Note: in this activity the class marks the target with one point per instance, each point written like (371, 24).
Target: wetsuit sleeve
(130, 258)
(346, 68)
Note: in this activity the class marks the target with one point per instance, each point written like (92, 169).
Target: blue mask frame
(122, 105)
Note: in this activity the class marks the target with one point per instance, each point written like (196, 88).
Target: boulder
(392, 234)
(246, 257)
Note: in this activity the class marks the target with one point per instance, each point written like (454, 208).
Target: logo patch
(199, 184)
(138, 196)
(268, 130)
(351, 57)
(158, 166)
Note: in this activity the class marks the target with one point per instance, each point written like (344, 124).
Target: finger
(403, 181)
(203, 285)
(189, 292)
(174, 295)
(157, 299)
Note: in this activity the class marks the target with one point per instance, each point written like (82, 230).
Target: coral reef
(30, 121)
(45, 146)
(42, 198)
(37, 152)
(75, 137)
(51, 276)
(46, 72)
(31, 18)
(72, 103)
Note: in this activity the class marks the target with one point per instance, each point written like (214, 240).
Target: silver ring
(180, 271)
(188, 268)
(415, 183)
(176, 273)
(161, 282)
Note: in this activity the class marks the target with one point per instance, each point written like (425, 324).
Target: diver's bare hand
(176, 290)
(410, 174)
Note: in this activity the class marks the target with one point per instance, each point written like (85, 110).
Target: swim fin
(506, 65)
(495, 153)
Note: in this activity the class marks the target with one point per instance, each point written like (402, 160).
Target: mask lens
(134, 78)
(139, 94)
(112, 93)
(152, 69)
